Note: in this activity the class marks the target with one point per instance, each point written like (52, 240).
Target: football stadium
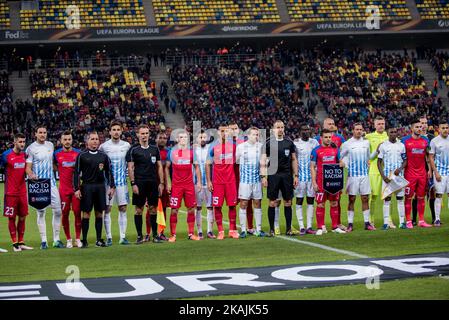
(224, 150)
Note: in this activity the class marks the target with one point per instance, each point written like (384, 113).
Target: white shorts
(204, 197)
(399, 193)
(55, 198)
(305, 188)
(120, 198)
(358, 186)
(441, 187)
(250, 191)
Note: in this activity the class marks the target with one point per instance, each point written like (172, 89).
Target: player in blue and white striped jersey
(392, 159)
(304, 147)
(248, 156)
(439, 162)
(116, 150)
(203, 196)
(39, 165)
(357, 151)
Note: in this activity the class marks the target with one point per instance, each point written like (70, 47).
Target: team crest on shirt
(101, 166)
(18, 165)
(153, 159)
(287, 152)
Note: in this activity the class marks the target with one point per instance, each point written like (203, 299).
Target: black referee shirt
(92, 167)
(284, 150)
(145, 162)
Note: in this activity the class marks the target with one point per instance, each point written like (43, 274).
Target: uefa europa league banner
(39, 193)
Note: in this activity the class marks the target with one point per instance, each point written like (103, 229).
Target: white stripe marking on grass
(308, 243)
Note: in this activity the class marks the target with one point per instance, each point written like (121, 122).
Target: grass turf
(185, 255)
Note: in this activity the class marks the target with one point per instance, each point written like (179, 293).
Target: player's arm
(76, 177)
(313, 173)
(343, 153)
(160, 172)
(131, 167)
(209, 161)
(198, 176)
(264, 169)
(432, 165)
(110, 177)
(295, 169)
(167, 173)
(29, 166)
(429, 172)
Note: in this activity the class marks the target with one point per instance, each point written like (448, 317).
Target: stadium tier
(440, 63)
(344, 10)
(53, 14)
(185, 12)
(433, 9)
(5, 21)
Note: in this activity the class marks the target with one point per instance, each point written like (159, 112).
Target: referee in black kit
(144, 166)
(93, 167)
(283, 175)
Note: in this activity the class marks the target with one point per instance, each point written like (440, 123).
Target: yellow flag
(160, 219)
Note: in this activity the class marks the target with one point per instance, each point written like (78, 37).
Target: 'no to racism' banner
(39, 193)
(332, 178)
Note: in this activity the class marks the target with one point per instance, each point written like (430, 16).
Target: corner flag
(160, 219)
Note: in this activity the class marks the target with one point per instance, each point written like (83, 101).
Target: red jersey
(324, 155)
(66, 166)
(222, 156)
(14, 164)
(164, 153)
(181, 163)
(338, 139)
(416, 156)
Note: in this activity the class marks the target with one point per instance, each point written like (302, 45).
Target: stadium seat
(345, 10)
(433, 9)
(185, 12)
(100, 13)
(5, 21)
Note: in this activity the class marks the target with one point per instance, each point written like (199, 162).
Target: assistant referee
(92, 173)
(282, 176)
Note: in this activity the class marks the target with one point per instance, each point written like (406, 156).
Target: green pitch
(184, 255)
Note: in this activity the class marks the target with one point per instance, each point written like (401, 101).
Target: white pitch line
(308, 243)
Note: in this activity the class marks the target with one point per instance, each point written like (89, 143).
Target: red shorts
(416, 185)
(323, 196)
(68, 200)
(222, 191)
(165, 199)
(15, 206)
(180, 192)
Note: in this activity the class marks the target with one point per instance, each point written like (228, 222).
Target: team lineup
(231, 168)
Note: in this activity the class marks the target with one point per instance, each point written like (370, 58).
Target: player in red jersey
(161, 142)
(417, 150)
(325, 153)
(249, 210)
(221, 180)
(16, 202)
(64, 162)
(180, 158)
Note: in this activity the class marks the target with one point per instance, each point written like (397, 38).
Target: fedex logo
(328, 158)
(19, 165)
(417, 151)
(68, 164)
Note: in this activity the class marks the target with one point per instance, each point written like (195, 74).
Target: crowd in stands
(57, 14)
(5, 20)
(440, 63)
(186, 12)
(83, 100)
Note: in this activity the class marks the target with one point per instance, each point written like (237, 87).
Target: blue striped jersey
(116, 151)
(40, 155)
(248, 157)
(303, 152)
(200, 157)
(357, 153)
(392, 155)
(439, 147)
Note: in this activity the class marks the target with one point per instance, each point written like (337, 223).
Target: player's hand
(397, 172)
(111, 193)
(135, 189)
(264, 182)
(33, 176)
(78, 194)
(210, 186)
(429, 174)
(168, 189)
(438, 176)
(386, 180)
(315, 186)
(342, 164)
(199, 187)
(161, 189)
(295, 182)
(377, 150)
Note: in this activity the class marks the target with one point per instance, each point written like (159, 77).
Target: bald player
(375, 139)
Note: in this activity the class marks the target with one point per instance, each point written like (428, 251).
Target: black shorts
(280, 182)
(93, 196)
(148, 192)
